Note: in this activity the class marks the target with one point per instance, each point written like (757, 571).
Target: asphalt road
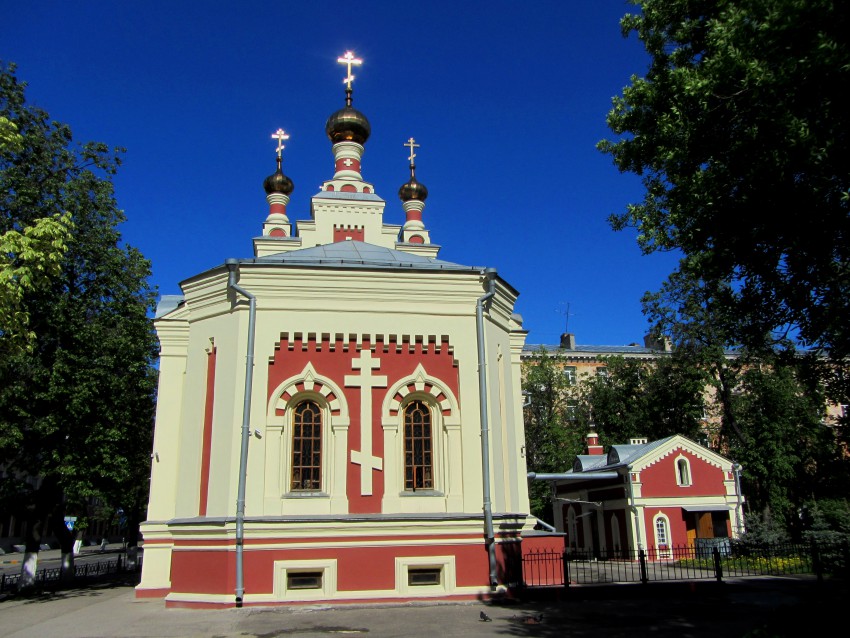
(767, 607)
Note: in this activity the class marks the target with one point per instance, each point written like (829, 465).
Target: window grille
(418, 457)
(306, 447)
(303, 580)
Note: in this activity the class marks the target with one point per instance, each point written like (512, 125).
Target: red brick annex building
(654, 495)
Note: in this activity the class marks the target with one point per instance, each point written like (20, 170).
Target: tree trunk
(66, 543)
(32, 541)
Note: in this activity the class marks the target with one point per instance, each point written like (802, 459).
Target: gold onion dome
(413, 190)
(348, 125)
(277, 182)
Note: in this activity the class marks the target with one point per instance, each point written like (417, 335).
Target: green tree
(551, 441)
(77, 410)
(644, 399)
(29, 257)
(739, 130)
(786, 449)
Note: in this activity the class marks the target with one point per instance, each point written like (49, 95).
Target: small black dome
(277, 182)
(348, 124)
(413, 190)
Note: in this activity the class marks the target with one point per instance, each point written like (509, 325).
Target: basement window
(420, 576)
(303, 580)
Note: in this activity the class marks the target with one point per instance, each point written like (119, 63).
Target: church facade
(339, 415)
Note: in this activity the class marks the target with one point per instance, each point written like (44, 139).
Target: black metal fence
(716, 561)
(84, 574)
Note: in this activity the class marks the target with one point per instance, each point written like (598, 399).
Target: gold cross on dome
(412, 144)
(280, 135)
(348, 59)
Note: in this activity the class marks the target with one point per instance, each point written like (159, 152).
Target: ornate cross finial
(280, 135)
(349, 60)
(412, 144)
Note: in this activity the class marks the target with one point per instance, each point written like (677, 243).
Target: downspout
(490, 541)
(232, 266)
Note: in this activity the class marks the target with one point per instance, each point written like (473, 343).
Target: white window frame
(286, 453)
(682, 466)
(661, 530)
(571, 373)
(438, 441)
(448, 574)
(282, 568)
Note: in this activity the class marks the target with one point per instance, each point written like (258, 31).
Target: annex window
(418, 447)
(306, 447)
(662, 532)
(683, 471)
(570, 374)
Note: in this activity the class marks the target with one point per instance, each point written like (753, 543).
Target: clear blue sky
(506, 98)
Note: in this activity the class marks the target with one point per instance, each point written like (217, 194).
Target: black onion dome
(413, 190)
(348, 125)
(277, 182)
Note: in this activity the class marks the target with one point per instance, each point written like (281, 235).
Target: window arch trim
(400, 394)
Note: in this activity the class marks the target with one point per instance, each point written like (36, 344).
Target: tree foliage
(29, 257)
(550, 441)
(789, 454)
(77, 410)
(644, 399)
(739, 129)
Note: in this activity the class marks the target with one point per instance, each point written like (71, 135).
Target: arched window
(683, 471)
(418, 447)
(661, 535)
(306, 447)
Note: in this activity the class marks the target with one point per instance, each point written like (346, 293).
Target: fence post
(2, 583)
(566, 565)
(816, 562)
(718, 566)
(644, 578)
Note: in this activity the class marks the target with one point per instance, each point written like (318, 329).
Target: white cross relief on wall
(366, 381)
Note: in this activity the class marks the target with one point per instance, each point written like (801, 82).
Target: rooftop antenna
(567, 316)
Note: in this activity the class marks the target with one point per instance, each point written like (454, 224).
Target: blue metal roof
(531, 348)
(358, 254)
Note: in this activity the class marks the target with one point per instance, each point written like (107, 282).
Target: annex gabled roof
(643, 455)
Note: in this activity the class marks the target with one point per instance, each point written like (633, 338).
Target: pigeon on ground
(484, 617)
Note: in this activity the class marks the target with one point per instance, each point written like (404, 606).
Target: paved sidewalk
(680, 610)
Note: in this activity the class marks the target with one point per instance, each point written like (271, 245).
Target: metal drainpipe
(490, 541)
(232, 266)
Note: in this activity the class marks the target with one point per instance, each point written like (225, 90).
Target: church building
(339, 415)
